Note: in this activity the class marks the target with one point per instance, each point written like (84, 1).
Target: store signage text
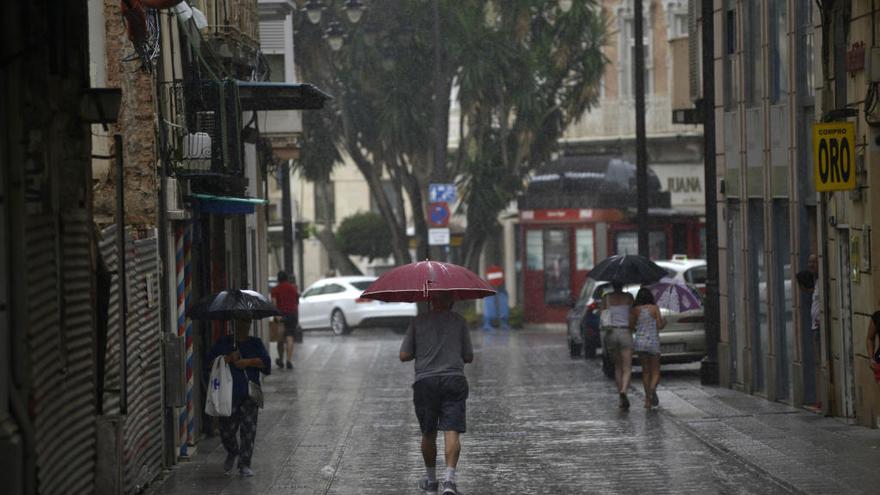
(834, 157)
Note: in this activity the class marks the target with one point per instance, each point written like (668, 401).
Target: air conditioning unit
(197, 151)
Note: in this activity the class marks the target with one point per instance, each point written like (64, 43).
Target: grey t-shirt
(440, 343)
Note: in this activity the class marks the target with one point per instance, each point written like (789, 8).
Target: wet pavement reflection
(539, 422)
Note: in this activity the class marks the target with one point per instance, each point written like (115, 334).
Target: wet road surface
(342, 422)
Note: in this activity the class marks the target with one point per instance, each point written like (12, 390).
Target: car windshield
(362, 284)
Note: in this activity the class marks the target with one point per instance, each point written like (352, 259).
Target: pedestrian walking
(248, 358)
(440, 343)
(618, 341)
(646, 319)
(874, 352)
(286, 296)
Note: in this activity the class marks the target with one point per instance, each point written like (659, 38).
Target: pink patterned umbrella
(675, 295)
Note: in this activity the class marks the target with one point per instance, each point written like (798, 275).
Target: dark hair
(282, 276)
(644, 296)
(806, 279)
(617, 285)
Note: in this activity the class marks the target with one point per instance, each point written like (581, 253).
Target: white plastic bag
(219, 398)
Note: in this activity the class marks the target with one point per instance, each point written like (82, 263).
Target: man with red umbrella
(440, 343)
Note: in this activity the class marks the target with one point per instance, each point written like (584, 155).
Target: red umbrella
(414, 282)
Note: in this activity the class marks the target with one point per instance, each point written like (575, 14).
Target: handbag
(255, 392)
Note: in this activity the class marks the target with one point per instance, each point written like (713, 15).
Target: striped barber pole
(186, 417)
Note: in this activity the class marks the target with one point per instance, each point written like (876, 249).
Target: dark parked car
(583, 320)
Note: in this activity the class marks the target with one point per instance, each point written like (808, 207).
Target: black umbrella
(628, 269)
(234, 304)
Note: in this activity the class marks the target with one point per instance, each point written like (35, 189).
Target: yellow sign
(834, 158)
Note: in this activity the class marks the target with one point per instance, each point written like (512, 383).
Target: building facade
(782, 66)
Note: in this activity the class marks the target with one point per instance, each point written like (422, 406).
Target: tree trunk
(414, 191)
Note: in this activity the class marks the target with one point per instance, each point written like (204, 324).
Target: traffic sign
(445, 193)
(438, 214)
(495, 275)
(438, 237)
(834, 158)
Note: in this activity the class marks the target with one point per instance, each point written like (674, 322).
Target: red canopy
(414, 282)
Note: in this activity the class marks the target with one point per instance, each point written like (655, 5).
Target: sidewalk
(803, 451)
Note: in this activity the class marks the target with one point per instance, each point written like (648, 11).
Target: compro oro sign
(834, 158)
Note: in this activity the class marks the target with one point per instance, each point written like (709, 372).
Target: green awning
(232, 199)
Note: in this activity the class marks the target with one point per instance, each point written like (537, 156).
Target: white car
(691, 272)
(335, 303)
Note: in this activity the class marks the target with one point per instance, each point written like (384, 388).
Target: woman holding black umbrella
(248, 358)
(618, 339)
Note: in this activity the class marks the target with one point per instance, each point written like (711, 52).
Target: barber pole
(186, 418)
(181, 325)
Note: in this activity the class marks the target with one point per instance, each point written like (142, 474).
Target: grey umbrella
(234, 304)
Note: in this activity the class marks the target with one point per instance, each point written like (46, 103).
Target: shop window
(557, 267)
(753, 56)
(778, 37)
(534, 249)
(734, 279)
(585, 249)
(628, 243)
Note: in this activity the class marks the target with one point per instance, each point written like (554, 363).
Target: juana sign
(834, 158)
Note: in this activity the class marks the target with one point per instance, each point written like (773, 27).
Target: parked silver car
(336, 303)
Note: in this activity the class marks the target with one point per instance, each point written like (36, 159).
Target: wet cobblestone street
(539, 422)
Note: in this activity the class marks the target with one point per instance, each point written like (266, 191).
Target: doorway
(845, 335)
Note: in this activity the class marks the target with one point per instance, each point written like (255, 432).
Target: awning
(280, 96)
(226, 205)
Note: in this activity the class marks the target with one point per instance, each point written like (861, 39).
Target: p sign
(834, 158)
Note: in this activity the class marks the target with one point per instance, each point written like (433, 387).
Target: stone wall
(136, 124)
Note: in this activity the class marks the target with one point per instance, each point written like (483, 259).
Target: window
(696, 275)
(276, 67)
(757, 292)
(731, 78)
(325, 203)
(314, 291)
(753, 56)
(332, 289)
(362, 285)
(534, 250)
(627, 242)
(390, 192)
(627, 60)
(557, 267)
(584, 249)
(804, 52)
(678, 25)
(778, 37)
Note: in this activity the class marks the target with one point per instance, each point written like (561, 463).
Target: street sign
(438, 214)
(495, 275)
(834, 159)
(441, 193)
(438, 237)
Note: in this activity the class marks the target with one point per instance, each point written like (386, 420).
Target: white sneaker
(246, 472)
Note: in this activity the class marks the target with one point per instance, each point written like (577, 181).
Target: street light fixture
(335, 36)
(354, 9)
(565, 5)
(314, 9)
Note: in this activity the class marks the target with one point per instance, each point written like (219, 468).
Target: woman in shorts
(645, 318)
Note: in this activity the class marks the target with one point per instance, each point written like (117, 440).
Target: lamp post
(335, 34)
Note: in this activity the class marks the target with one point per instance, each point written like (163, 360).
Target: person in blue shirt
(247, 358)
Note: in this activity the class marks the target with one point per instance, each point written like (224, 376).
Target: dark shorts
(290, 320)
(440, 403)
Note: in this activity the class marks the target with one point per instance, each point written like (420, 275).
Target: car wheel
(574, 349)
(589, 351)
(338, 324)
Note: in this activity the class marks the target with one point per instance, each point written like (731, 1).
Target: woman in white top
(618, 342)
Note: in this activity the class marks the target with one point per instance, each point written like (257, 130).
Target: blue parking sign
(441, 193)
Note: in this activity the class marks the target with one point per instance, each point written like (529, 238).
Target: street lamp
(565, 5)
(354, 9)
(314, 9)
(335, 34)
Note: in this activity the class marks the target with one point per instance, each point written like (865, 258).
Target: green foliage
(522, 71)
(364, 234)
